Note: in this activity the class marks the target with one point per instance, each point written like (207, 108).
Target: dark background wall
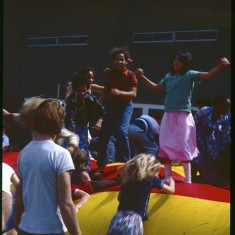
(29, 71)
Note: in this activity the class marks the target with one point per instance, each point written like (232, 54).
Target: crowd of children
(65, 173)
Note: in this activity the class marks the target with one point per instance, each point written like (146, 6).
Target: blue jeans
(115, 124)
(111, 151)
(140, 141)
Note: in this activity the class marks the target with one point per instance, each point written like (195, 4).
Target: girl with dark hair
(177, 138)
(120, 88)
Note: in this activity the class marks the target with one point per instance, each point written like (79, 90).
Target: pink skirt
(177, 137)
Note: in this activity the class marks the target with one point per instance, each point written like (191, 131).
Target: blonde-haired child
(139, 176)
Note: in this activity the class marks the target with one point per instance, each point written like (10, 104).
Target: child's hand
(114, 92)
(224, 62)
(5, 112)
(139, 72)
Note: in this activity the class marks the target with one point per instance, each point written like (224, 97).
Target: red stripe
(203, 191)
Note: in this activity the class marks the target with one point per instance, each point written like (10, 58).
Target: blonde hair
(27, 111)
(141, 167)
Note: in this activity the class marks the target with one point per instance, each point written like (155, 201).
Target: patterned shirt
(212, 137)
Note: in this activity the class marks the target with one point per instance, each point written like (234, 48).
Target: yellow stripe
(168, 214)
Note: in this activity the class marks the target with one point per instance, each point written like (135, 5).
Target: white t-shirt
(39, 164)
(7, 172)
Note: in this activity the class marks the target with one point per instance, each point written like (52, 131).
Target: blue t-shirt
(179, 90)
(134, 196)
(39, 165)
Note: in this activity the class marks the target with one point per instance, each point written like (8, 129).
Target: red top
(122, 80)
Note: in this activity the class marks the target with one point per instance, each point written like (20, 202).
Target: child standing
(177, 136)
(120, 88)
(139, 176)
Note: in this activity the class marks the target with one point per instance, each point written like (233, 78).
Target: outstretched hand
(5, 112)
(139, 72)
(224, 61)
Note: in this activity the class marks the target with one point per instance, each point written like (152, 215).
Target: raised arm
(151, 85)
(213, 72)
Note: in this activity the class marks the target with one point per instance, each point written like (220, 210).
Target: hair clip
(129, 60)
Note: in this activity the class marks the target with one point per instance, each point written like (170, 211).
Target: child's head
(119, 57)
(28, 110)
(89, 72)
(80, 159)
(181, 62)
(221, 103)
(141, 167)
(80, 84)
(49, 117)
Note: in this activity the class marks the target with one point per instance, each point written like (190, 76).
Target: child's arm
(213, 72)
(151, 85)
(85, 177)
(169, 187)
(127, 94)
(97, 88)
(83, 196)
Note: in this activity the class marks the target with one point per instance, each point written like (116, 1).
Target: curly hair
(116, 50)
(141, 167)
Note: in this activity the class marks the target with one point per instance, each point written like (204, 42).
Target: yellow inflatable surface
(168, 215)
(194, 209)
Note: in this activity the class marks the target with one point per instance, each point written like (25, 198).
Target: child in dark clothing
(139, 176)
(81, 180)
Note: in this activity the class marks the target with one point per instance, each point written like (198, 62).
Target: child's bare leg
(187, 171)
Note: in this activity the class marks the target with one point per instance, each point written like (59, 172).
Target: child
(81, 110)
(139, 176)
(213, 125)
(80, 161)
(120, 88)
(80, 179)
(177, 138)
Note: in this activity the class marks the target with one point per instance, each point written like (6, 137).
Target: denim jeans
(111, 151)
(140, 141)
(115, 124)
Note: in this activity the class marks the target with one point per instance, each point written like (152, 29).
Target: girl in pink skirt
(177, 138)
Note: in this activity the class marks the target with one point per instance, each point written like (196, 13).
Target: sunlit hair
(185, 58)
(27, 111)
(141, 167)
(80, 159)
(116, 50)
(49, 117)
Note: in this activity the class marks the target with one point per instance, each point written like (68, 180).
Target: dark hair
(85, 70)
(119, 50)
(49, 117)
(202, 101)
(80, 159)
(220, 100)
(80, 80)
(185, 58)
